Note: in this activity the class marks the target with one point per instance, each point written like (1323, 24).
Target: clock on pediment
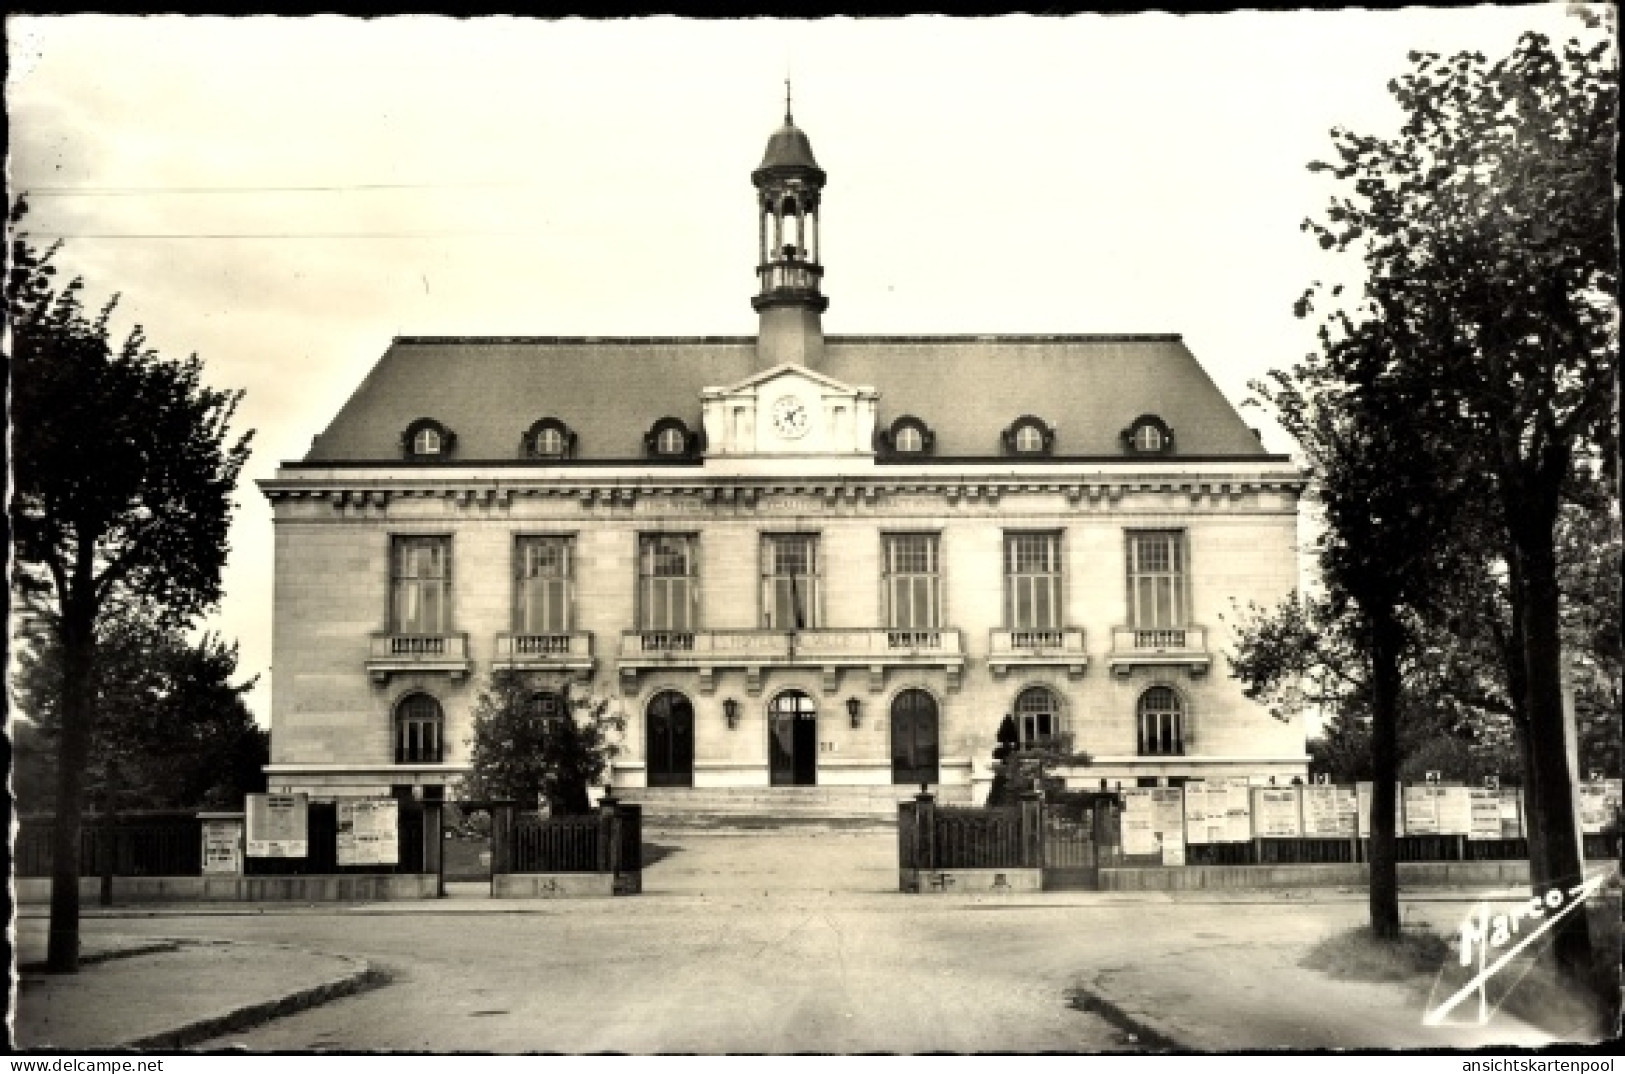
(790, 418)
(788, 409)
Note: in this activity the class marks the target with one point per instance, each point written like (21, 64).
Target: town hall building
(790, 559)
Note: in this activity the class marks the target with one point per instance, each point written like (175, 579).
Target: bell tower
(788, 185)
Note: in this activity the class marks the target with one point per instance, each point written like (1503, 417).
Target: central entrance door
(793, 739)
(914, 737)
(671, 740)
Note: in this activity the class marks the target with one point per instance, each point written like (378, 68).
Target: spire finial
(788, 122)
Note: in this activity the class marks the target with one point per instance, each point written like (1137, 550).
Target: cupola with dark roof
(788, 185)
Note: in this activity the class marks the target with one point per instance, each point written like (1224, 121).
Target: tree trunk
(1552, 797)
(1384, 864)
(73, 752)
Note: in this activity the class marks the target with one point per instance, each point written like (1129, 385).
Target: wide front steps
(757, 806)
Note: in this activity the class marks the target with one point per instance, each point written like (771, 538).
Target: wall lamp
(853, 706)
(730, 709)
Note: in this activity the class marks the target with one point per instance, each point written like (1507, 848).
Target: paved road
(746, 943)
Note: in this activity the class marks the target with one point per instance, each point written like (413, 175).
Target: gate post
(925, 831)
(501, 839)
(1032, 830)
(609, 835)
(434, 844)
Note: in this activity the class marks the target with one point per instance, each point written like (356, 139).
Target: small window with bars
(1162, 722)
(790, 582)
(668, 573)
(913, 581)
(1032, 581)
(542, 587)
(1156, 580)
(420, 585)
(419, 730)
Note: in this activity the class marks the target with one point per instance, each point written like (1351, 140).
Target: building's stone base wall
(970, 881)
(330, 888)
(553, 885)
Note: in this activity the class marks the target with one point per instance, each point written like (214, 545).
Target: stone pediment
(789, 410)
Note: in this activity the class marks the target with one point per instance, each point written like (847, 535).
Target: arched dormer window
(908, 435)
(549, 438)
(1029, 435)
(669, 438)
(426, 440)
(1148, 435)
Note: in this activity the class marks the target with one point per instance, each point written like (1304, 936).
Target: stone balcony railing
(1058, 647)
(1160, 647)
(394, 654)
(830, 650)
(557, 651)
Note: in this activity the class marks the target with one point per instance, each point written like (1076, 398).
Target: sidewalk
(164, 995)
(1229, 997)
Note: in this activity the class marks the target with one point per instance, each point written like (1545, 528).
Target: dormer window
(426, 439)
(908, 435)
(1029, 435)
(549, 438)
(1149, 435)
(669, 438)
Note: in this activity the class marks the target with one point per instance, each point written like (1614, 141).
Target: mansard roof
(610, 391)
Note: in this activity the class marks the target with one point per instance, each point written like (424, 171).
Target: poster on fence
(1169, 804)
(223, 847)
(1206, 812)
(1276, 811)
(1599, 803)
(1328, 811)
(1238, 811)
(278, 826)
(1363, 792)
(1454, 805)
(367, 831)
(1485, 822)
(1139, 817)
(1422, 809)
(1511, 813)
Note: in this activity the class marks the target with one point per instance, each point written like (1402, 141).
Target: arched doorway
(669, 721)
(793, 739)
(914, 737)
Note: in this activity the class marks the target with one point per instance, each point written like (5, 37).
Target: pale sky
(283, 196)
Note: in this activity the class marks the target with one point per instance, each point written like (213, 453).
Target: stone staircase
(757, 807)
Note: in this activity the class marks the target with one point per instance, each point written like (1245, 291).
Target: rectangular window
(420, 585)
(542, 588)
(789, 582)
(668, 575)
(1156, 579)
(1032, 581)
(912, 578)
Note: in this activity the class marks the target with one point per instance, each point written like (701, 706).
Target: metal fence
(577, 844)
(130, 844)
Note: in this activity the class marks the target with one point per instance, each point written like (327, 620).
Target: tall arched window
(419, 730)
(1038, 716)
(1162, 722)
(909, 440)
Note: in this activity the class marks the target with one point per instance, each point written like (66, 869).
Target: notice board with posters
(1599, 804)
(1238, 810)
(1169, 823)
(1206, 812)
(278, 826)
(1328, 811)
(1139, 820)
(1421, 809)
(1455, 809)
(1276, 814)
(223, 846)
(368, 831)
(1511, 813)
(1485, 806)
(1363, 793)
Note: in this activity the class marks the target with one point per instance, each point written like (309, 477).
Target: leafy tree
(1486, 230)
(534, 745)
(1019, 766)
(171, 729)
(123, 474)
